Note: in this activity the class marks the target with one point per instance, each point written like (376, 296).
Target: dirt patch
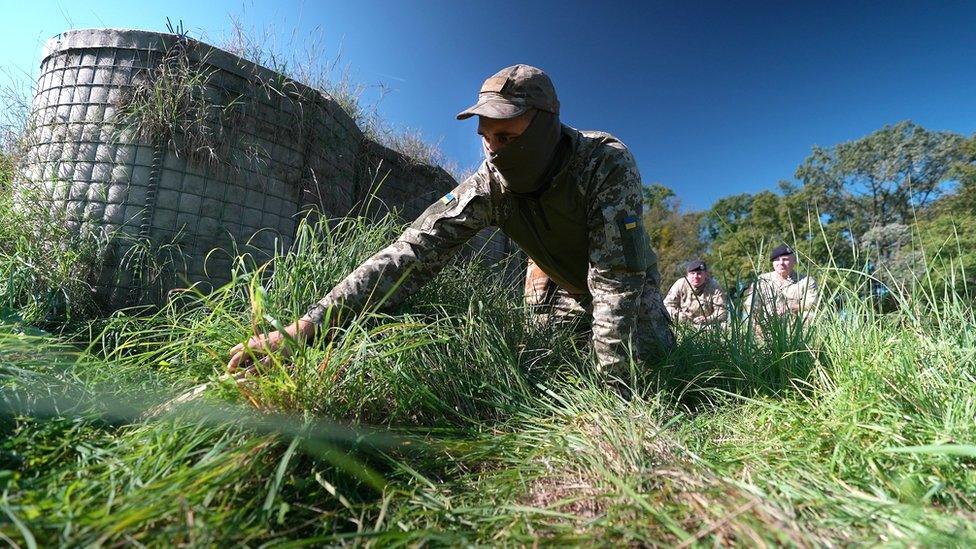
(568, 493)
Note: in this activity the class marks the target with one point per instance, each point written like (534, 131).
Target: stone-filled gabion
(164, 199)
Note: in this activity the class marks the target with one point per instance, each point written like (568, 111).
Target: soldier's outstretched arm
(748, 298)
(393, 273)
(720, 311)
(619, 258)
(811, 298)
(812, 295)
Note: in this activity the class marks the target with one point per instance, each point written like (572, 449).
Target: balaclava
(524, 161)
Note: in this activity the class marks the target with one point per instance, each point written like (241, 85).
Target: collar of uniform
(574, 159)
(570, 167)
(793, 278)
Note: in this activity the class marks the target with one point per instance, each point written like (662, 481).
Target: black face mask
(523, 162)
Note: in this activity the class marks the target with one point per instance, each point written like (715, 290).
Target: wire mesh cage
(176, 157)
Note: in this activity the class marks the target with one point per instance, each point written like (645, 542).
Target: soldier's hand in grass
(262, 345)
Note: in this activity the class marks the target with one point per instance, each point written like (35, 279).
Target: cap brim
(493, 108)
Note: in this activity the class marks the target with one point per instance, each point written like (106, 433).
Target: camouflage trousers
(552, 305)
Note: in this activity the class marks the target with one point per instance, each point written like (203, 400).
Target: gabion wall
(247, 153)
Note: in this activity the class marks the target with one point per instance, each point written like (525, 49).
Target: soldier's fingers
(235, 361)
(271, 342)
(236, 349)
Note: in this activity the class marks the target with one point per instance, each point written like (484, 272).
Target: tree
(871, 191)
(726, 215)
(674, 235)
(948, 242)
(882, 178)
(963, 201)
(659, 197)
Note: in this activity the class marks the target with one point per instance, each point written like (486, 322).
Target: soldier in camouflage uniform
(570, 199)
(782, 292)
(697, 298)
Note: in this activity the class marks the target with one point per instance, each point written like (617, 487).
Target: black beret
(781, 250)
(696, 265)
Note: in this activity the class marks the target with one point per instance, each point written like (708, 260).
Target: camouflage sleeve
(672, 301)
(619, 257)
(811, 296)
(720, 309)
(760, 299)
(401, 268)
(750, 297)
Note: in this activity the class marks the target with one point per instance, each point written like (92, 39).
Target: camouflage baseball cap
(512, 91)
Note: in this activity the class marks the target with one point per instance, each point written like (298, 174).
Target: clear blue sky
(713, 98)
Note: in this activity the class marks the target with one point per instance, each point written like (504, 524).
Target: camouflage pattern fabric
(655, 338)
(551, 305)
(686, 303)
(774, 296)
(584, 232)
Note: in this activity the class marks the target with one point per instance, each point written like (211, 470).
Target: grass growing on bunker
(47, 267)
(175, 105)
(306, 58)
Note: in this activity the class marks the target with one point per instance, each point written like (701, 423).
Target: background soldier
(570, 199)
(697, 298)
(783, 291)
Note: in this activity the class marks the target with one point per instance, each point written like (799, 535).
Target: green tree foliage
(675, 236)
(726, 215)
(964, 171)
(871, 192)
(949, 244)
(739, 229)
(882, 178)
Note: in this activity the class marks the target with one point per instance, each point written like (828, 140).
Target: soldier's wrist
(304, 328)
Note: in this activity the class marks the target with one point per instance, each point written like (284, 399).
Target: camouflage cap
(512, 91)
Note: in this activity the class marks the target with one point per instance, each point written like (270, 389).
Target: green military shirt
(585, 231)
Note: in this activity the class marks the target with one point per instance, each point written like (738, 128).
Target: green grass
(453, 421)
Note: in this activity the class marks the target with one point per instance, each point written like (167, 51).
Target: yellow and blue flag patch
(630, 222)
(447, 198)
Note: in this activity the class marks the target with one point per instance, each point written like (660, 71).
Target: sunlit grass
(454, 421)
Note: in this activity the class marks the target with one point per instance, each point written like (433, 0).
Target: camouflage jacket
(584, 230)
(773, 295)
(686, 303)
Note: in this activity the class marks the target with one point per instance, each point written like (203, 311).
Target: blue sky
(713, 98)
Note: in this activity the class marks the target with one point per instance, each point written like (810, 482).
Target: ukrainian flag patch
(630, 223)
(447, 198)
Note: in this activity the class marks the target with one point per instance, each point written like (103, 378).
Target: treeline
(898, 204)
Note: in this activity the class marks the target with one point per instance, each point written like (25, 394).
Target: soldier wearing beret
(782, 291)
(570, 199)
(697, 298)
